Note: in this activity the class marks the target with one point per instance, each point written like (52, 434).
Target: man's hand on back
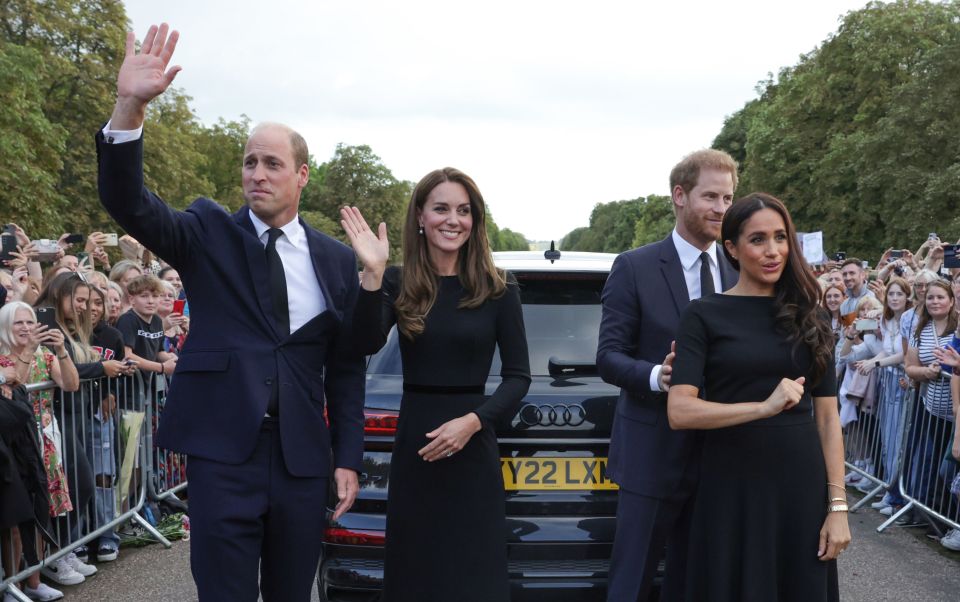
(143, 76)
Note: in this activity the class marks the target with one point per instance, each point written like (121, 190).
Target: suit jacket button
(268, 382)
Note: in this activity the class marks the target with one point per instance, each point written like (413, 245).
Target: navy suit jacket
(642, 302)
(235, 351)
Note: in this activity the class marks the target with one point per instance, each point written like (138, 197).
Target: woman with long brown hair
(452, 307)
(755, 370)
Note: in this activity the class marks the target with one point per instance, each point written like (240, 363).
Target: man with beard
(648, 288)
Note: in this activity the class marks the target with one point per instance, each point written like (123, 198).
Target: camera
(840, 256)
(47, 249)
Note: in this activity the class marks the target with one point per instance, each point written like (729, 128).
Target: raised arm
(143, 76)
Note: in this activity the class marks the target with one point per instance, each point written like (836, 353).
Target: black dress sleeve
(514, 358)
(692, 348)
(375, 315)
(827, 387)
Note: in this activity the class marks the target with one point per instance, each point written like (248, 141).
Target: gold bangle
(839, 508)
(838, 499)
(837, 486)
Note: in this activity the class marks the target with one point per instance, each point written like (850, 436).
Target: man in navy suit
(267, 395)
(655, 467)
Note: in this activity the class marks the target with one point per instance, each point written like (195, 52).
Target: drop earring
(420, 231)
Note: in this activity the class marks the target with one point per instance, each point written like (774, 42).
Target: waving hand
(144, 76)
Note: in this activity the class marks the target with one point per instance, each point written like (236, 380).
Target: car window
(561, 314)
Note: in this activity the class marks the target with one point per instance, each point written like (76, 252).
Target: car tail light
(380, 423)
(355, 537)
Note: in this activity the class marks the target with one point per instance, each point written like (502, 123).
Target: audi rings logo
(559, 414)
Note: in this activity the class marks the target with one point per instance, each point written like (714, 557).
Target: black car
(561, 505)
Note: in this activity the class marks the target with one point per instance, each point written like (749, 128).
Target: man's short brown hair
(686, 173)
(143, 284)
(851, 260)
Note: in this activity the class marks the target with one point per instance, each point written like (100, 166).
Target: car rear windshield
(561, 314)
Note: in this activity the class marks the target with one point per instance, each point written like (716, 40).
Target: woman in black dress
(446, 530)
(771, 516)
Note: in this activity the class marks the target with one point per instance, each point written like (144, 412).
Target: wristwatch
(876, 364)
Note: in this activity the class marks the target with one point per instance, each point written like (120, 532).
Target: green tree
(655, 221)
(808, 135)
(221, 146)
(30, 145)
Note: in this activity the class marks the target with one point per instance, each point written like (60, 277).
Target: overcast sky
(551, 107)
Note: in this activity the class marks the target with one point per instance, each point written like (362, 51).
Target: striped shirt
(935, 393)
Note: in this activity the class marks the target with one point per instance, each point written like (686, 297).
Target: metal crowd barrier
(897, 445)
(168, 476)
(101, 435)
(873, 443)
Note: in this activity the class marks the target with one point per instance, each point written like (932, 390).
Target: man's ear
(303, 175)
(678, 196)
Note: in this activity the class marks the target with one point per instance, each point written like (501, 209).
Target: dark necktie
(281, 311)
(278, 282)
(706, 276)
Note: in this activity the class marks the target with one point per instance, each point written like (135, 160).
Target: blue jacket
(235, 350)
(642, 302)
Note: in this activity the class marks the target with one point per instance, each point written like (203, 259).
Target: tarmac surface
(898, 564)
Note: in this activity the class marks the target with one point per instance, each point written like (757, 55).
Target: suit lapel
(257, 266)
(322, 264)
(673, 273)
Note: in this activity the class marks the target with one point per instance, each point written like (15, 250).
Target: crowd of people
(896, 329)
(88, 325)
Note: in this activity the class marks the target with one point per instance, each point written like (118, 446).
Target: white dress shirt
(304, 296)
(690, 262)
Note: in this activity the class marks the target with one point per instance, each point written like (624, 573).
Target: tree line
(861, 138)
(58, 66)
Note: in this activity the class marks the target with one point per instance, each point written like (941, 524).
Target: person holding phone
(175, 324)
(932, 426)
(755, 373)
(39, 354)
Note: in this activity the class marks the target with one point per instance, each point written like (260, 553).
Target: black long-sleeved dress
(446, 531)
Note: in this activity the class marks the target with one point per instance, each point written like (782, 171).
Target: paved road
(899, 564)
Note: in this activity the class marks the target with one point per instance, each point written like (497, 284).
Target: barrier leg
(16, 592)
(152, 530)
(907, 507)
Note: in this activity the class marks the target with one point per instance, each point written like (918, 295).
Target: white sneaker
(80, 566)
(951, 540)
(62, 573)
(887, 511)
(43, 592)
(879, 505)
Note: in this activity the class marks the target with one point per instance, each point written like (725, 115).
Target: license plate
(521, 474)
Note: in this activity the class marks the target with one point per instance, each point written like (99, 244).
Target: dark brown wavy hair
(479, 276)
(799, 314)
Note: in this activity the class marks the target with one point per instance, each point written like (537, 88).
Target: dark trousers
(644, 526)
(255, 518)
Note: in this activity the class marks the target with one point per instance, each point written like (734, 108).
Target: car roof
(569, 261)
